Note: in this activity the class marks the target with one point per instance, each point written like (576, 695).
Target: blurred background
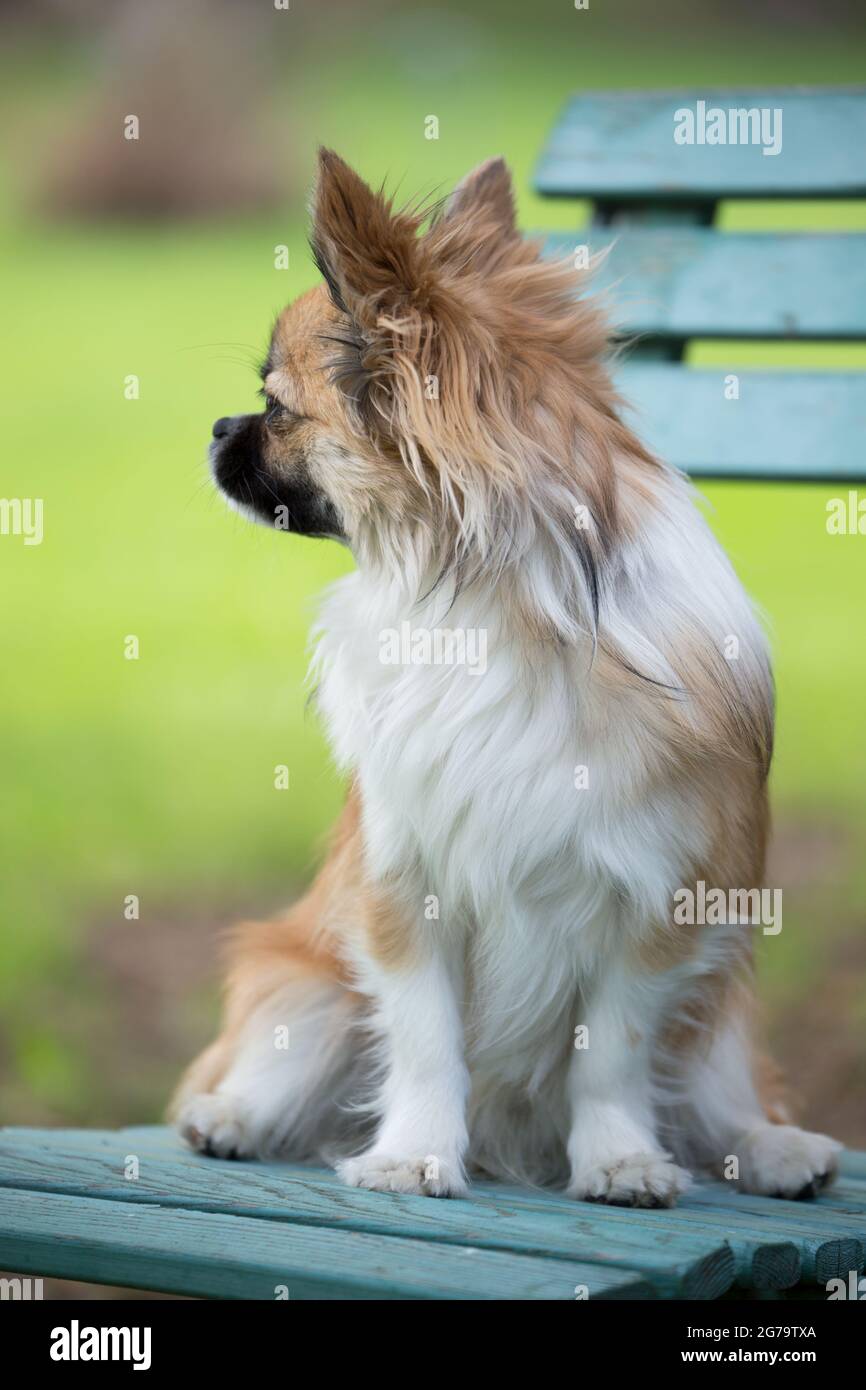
(155, 260)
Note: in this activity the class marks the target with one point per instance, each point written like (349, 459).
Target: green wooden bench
(137, 1208)
(674, 277)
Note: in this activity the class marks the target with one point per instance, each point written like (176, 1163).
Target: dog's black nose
(222, 427)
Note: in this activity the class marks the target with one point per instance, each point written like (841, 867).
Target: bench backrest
(656, 166)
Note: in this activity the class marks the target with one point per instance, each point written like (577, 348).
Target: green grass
(155, 776)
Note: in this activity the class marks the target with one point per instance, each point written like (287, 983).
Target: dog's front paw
(783, 1161)
(637, 1180)
(429, 1176)
(215, 1125)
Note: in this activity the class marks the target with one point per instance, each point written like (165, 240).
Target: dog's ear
(374, 261)
(486, 191)
(431, 326)
(368, 255)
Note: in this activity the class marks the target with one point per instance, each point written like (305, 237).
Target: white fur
(422, 1139)
(468, 794)
(542, 890)
(273, 1097)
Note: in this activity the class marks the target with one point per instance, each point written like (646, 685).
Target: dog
(487, 975)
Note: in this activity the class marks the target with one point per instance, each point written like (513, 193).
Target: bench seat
(135, 1207)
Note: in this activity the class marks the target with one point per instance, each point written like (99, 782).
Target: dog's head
(412, 399)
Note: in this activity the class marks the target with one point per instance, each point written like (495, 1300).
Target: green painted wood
(831, 1241)
(826, 1247)
(694, 282)
(211, 1255)
(853, 1164)
(784, 425)
(619, 146)
(762, 1259)
(759, 1239)
(847, 1195)
(676, 1264)
(772, 1265)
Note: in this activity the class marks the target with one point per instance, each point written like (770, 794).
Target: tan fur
(773, 1089)
(261, 957)
(341, 911)
(498, 329)
(388, 936)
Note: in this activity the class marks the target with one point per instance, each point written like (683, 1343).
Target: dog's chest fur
(536, 817)
(521, 820)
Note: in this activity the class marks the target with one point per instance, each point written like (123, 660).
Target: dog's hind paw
(783, 1161)
(214, 1125)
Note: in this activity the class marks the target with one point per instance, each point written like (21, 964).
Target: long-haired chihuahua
(550, 741)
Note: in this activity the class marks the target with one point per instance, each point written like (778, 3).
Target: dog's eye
(277, 413)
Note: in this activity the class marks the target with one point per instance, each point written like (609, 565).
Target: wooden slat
(785, 425)
(674, 1263)
(619, 146)
(847, 1196)
(853, 1164)
(764, 1259)
(210, 1255)
(831, 1242)
(828, 1245)
(694, 282)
